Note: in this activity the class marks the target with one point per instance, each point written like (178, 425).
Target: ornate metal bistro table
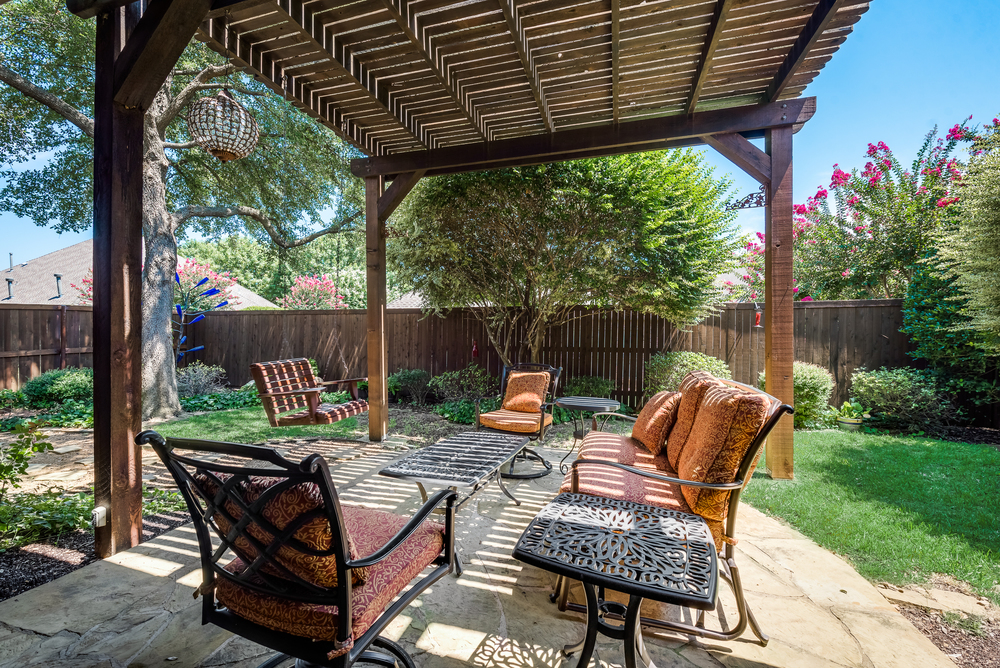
(639, 550)
(578, 405)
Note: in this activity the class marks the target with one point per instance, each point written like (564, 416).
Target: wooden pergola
(427, 87)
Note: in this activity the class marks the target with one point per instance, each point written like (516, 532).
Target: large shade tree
(282, 193)
(525, 246)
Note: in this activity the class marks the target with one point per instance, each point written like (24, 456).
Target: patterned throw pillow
(727, 422)
(526, 391)
(692, 390)
(655, 420)
(288, 506)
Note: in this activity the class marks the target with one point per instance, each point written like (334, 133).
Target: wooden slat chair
(311, 579)
(290, 394)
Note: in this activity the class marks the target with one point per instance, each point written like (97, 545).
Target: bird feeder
(220, 125)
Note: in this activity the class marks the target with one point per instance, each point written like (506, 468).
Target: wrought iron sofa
(692, 451)
(311, 579)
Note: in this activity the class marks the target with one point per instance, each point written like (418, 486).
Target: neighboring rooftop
(409, 300)
(34, 281)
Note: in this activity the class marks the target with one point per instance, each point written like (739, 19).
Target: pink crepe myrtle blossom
(839, 178)
(314, 293)
(807, 298)
(946, 201)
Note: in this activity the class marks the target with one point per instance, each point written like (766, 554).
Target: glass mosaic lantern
(221, 126)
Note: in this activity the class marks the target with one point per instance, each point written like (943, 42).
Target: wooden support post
(378, 395)
(779, 315)
(117, 316)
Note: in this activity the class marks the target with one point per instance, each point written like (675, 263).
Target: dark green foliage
(32, 517)
(589, 386)
(15, 455)
(59, 385)
(10, 399)
(70, 414)
(223, 401)
(471, 383)
(936, 320)
(813, 387)
(902, 399)
(525, 245)
(665, 371)
(411, 382)
(464, 411)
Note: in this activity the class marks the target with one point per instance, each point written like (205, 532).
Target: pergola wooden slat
(427, 87)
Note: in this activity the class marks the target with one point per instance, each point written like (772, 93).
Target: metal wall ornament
(220, 125)
(751, 201)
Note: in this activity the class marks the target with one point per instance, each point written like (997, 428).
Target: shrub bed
(665, 371)
(902, 399)
(813, 387)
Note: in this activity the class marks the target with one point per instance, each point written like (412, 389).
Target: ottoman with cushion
(692, 451)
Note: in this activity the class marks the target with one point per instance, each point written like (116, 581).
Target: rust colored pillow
(655, 420)
(526, 391)
(692, 390)
(727, 422)
(280, 511)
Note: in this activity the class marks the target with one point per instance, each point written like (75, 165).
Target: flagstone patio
(136, 608)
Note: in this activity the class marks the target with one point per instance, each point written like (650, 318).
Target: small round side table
(578, 405)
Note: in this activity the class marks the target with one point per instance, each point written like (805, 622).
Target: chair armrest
(724, 486)
(344, 381)
(418, 518)
(304, 390)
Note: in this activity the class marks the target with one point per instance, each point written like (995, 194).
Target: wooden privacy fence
(36, 339)
(840, 336)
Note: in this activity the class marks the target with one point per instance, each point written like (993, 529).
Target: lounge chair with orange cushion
(528, 393)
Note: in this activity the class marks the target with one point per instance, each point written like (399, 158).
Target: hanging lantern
(756, 319)
(221, 126)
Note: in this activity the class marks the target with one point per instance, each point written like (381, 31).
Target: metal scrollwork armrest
(724, 486)
(445, 495)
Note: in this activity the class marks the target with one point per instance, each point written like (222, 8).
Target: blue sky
(910, 64)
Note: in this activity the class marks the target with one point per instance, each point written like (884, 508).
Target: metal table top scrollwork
(633, 548)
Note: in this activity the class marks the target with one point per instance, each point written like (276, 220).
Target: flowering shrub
(203, 288)
(314, 292)
(86, 288)
(882, 220)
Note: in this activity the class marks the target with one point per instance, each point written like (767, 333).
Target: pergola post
(779, 314)
(117, 316)
(378, 394)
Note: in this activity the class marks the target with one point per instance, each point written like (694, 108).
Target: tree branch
(238, 89)
(189, 144)
(178, 103)
(64, 109)
(228, 211)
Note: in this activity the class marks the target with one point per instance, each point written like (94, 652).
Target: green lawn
(898, 508)
(249, 425)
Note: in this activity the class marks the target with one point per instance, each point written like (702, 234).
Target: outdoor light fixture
(220, 125)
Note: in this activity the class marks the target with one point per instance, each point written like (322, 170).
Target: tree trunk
(159, 380)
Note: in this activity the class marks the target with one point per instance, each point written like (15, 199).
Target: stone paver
(136, 609)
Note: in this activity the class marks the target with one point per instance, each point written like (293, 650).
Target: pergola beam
(623, 138)
(615, 52)
(779, 313)
(817, 23)
(400, 12)
(743, 154)
(524, 54)
(708, 51)
(158, 40)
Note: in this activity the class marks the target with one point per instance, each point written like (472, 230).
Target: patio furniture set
(650, 515)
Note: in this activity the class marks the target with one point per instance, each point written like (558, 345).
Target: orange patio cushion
(526, 391)
(286, 507)
(692, 390)
(504, 420)
(727, 422)
(655, 420)
(387, 578)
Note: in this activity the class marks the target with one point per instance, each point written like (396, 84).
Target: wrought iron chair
(290, 394)
(527, 391)
(312, 580)
(665, 486)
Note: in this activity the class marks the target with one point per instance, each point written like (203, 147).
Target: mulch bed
(968, 650)
(29, 566)
(983, 435)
